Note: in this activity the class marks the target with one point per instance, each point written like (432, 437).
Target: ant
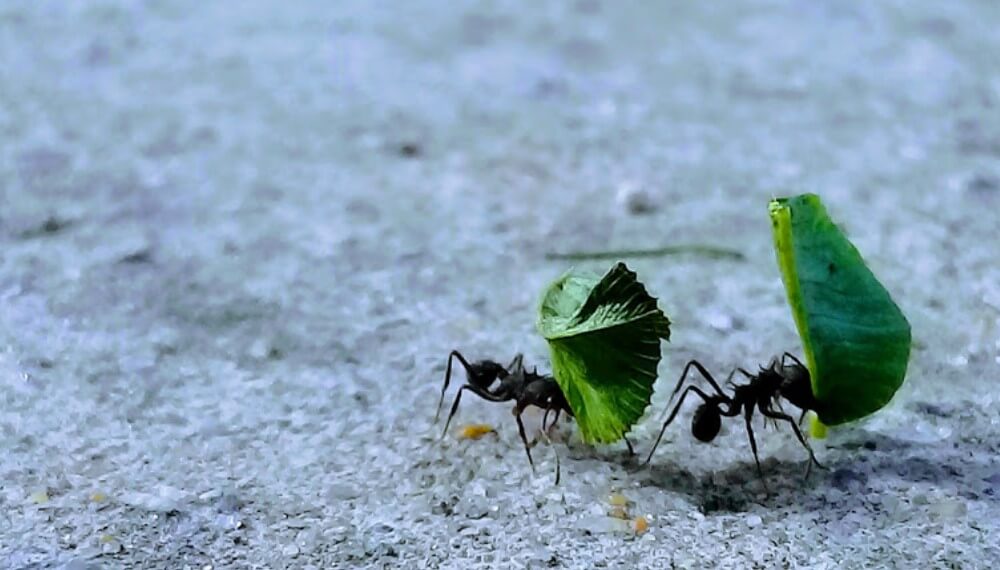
(777, 380)
(515, 383)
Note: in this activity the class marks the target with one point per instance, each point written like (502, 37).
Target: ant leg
(628, 444)
(792, 357)
(481, 392)
(704, 373)
(798, 433)
(555, 418)
(673, 414)
(524, 438)
(802, 416)
(447, 379)
(545, 434)
(516, 364)
(748, 414)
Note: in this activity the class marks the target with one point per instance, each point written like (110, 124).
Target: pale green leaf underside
(855, 338)
(604, 336)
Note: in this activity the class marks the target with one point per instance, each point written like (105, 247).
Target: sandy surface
(238, 240)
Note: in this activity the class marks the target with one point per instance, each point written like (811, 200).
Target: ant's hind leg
(447, 379)
(628, 444)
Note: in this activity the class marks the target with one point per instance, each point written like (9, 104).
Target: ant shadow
(858, 467)
(737, 488)
(967, 467)
(734, 489)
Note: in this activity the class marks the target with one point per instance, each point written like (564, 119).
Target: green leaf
(855, 338)
(604, 336)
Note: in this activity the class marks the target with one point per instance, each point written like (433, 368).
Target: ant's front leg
(481, 392)
(447, 379)
(545, 434)
(798, 433)
(793, 358)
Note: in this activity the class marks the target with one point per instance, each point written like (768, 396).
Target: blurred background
(238, 240)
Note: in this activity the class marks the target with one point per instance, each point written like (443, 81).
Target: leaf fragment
(855, 338)
(604, 338)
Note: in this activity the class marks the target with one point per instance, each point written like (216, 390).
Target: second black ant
(780, 379)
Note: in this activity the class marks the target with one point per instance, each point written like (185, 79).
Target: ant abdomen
(706, 422)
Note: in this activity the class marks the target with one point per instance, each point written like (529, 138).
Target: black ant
(525, 388)
(777, 380)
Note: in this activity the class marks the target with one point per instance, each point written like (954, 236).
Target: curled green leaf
(856, 340)
(604, 337)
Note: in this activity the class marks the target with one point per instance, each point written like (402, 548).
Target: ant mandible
(512, 383)
(778, 380)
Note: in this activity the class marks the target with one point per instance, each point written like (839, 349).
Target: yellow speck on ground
(475, 431)
(619, 506)
(106, 538)
(619, 513)
(40, 497)
(98, 497)
(641, 524)
(617, 500)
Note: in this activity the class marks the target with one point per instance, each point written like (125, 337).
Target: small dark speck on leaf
(832, 268)
(870, 445)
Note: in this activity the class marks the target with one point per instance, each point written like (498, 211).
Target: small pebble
(290, 551)
(754, 521)
(641, 524)
(40, 497)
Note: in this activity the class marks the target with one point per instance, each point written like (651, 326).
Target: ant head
(706, 422)
(796, 387)
(483, 373)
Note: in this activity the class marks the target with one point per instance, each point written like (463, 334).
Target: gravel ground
(238, 240)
